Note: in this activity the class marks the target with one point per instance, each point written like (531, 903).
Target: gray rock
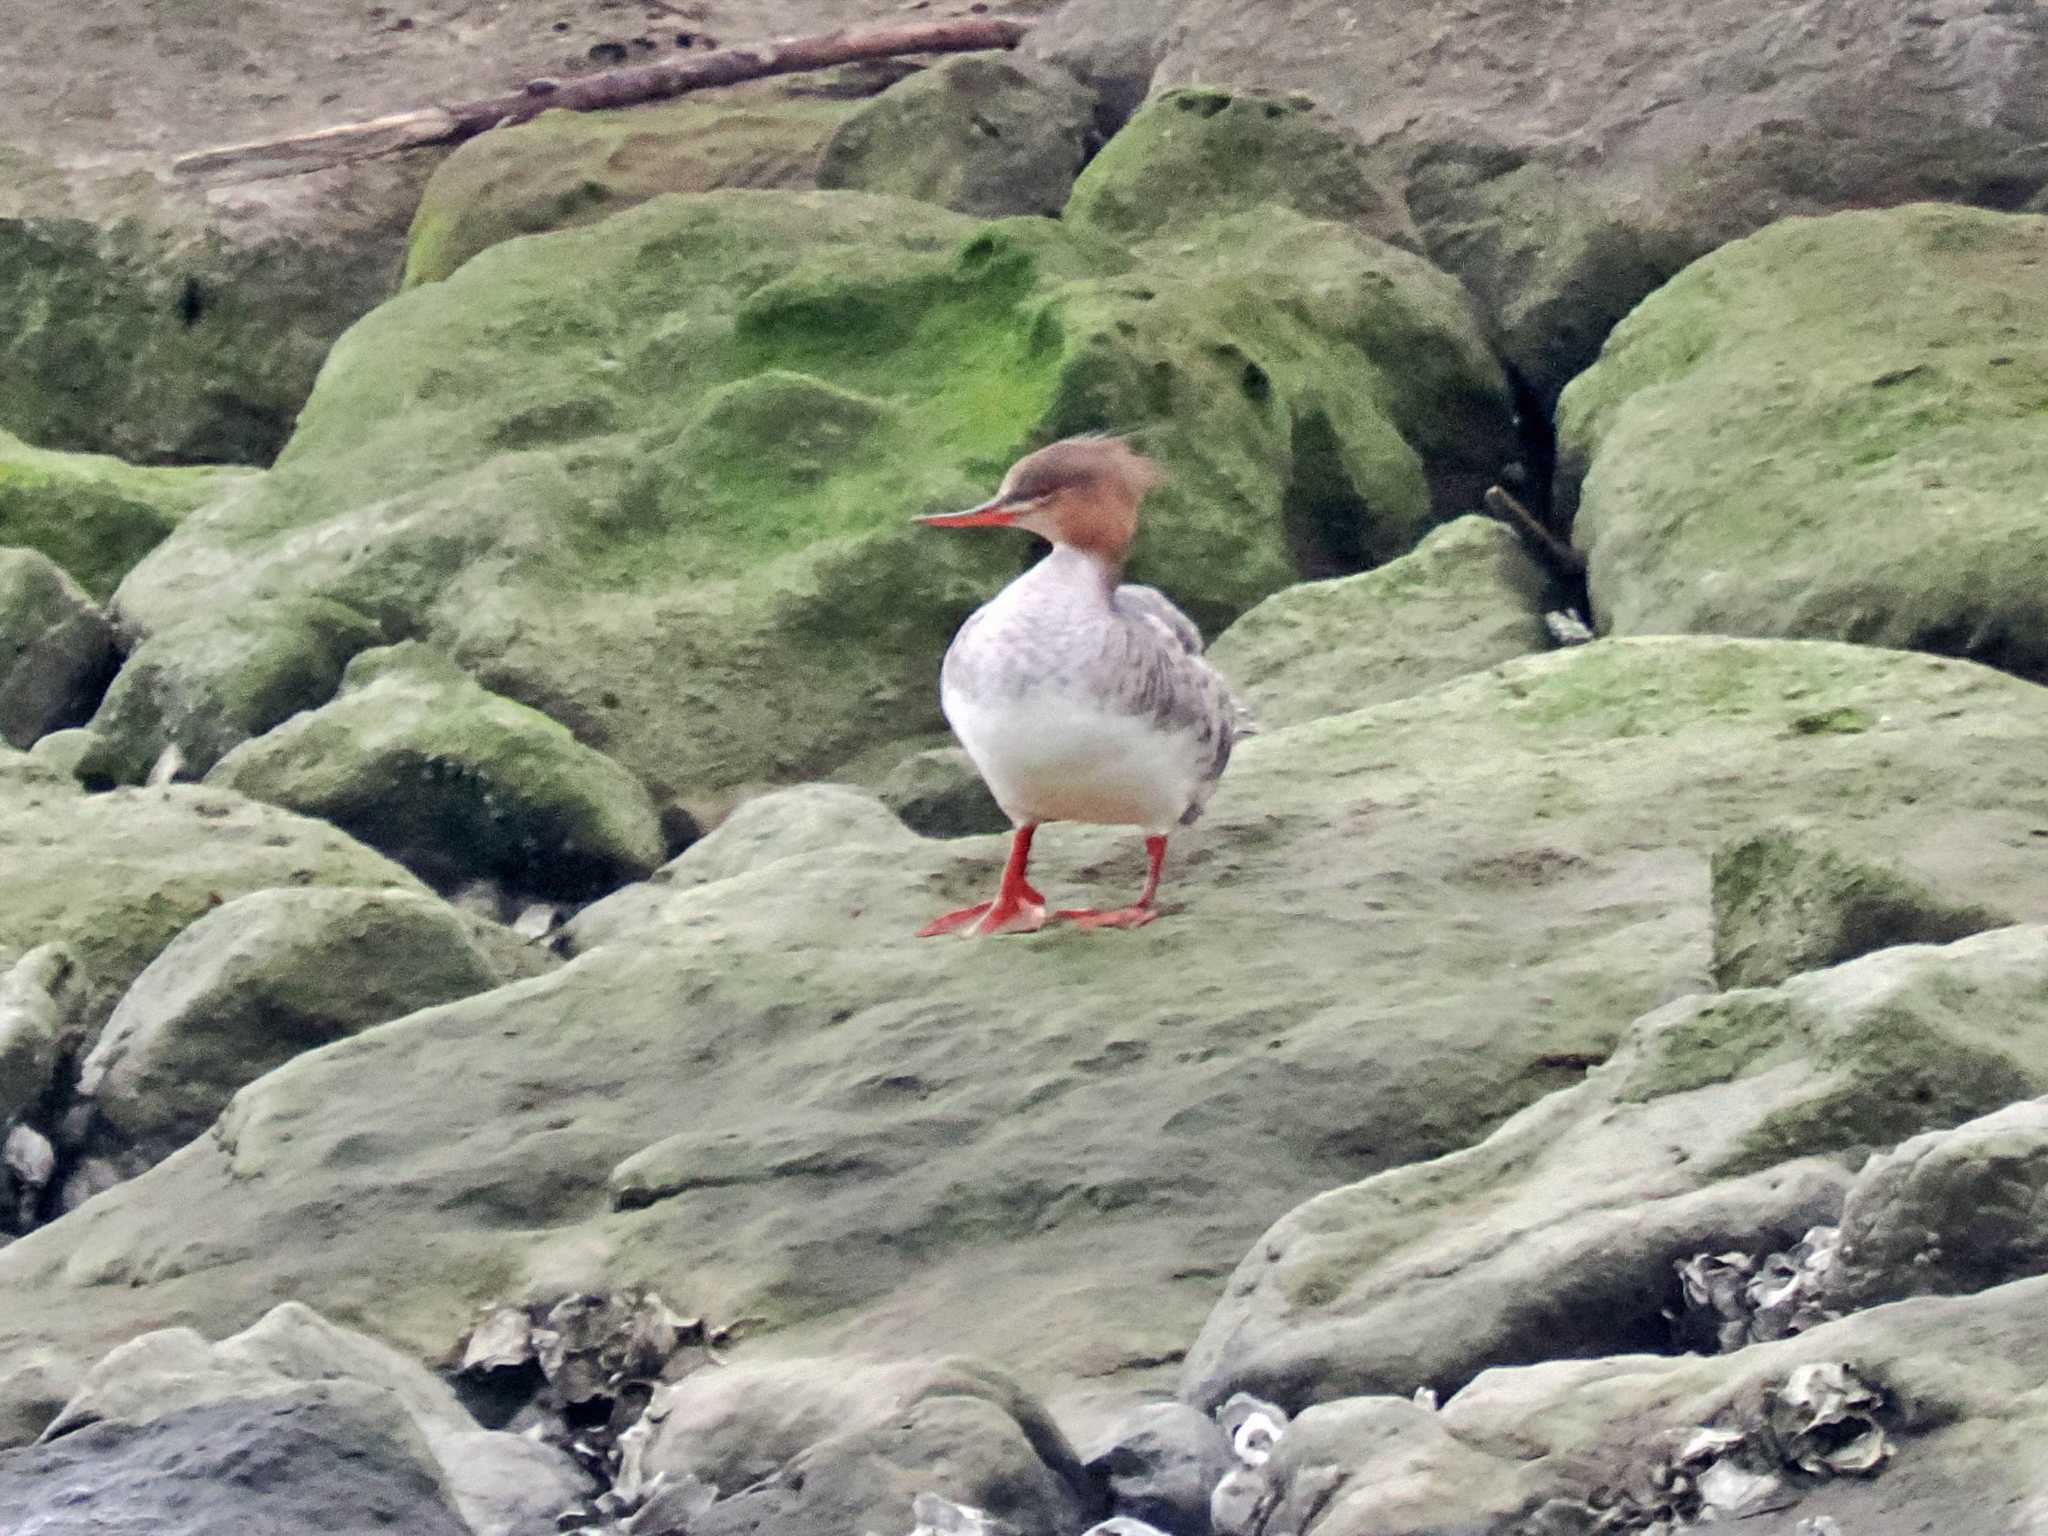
(819, 1447)
(334, 1457)
(1948, 1212)
(1467, 597)
(213, 682)
(502, 1484)
(1788, 899)
(455, 781)
(56, 648)
(1717, 1125)
(1561, 1446)
(737, 1426)
(940, 794)
(36, 997)
(1560, 209)
(1113, 45)
(986, 134)
(254, 983)
(1164, 1463)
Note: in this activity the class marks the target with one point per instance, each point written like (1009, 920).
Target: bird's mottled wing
(1151, 603)
(1164, 675)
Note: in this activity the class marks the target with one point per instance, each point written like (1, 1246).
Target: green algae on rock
(255, 982)
(1830, 429)
(94, 515)
(654, 477)
(1720, 1122)
(453, 781)
(987, 134)
(1396, 928)
(1465, 598)
(1787, 899)
(565, 169)
(208, 684)
(117, 876)
(1199, 152)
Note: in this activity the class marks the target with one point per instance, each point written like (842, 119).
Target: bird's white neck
(1080, 570)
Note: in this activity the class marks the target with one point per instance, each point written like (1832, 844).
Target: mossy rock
(115, 877)
(1720, 1122)
(566, 169)
(986, 134)
(211, 683)
(56, 649)
(939, 792)
(1830, 429)
(1201, 152)
(94, 515)
(1393, 930)
(1466, 597)
(655, 478)
(252, 984)
(453, 781)
(147, 323)
(1788, 899)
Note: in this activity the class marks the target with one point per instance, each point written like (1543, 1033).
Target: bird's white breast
(1053, 754)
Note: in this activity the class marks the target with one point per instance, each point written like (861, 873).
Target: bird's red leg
(1139, 912)
(1017, 908)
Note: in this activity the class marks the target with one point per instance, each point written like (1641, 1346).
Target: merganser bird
(1077, 698)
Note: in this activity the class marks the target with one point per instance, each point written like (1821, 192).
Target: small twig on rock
(327, 147)
(1504, 506)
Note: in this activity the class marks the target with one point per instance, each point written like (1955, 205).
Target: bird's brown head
(1080, 491)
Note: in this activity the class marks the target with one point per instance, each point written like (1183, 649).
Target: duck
(1078, 696)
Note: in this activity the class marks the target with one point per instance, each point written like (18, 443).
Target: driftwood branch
(614, 88)
(1560, 554)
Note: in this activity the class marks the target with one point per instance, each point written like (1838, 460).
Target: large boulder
(94, 515)
(1948, 1212)
(1830, 429)
(251, 985)
(116, 877)
(334, 1457)
(1718, 1125)
(454, 781)
(654, 477)
(205, 686)
(1467, 597)
(983, 133)
(758, 1094)
(565, 169)
(57, 649)
(1204, 152)
(1921, 1416)
(501, 1484)
(1684, 126)
(816, 1447)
